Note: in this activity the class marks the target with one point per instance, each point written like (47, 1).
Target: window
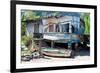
(51, 28)
(65, 27)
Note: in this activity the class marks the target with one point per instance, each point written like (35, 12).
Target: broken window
(67, 28)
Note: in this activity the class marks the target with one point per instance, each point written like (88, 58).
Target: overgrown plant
(26, 40)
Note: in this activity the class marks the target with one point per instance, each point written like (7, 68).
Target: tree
(87, 23)
(23, 28)
(30, 15)
(86, 18)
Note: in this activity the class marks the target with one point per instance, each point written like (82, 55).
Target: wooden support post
(52, 44)
(40, 48)
(69, 45)
(76, 49)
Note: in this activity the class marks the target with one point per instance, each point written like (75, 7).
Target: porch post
(52, 44)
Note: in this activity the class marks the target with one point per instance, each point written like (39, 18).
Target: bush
(23, 28)
(26, 40)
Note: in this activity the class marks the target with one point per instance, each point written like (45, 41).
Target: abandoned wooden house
(62, 29)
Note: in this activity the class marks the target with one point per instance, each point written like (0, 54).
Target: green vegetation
(87, 23)
(23, 28)
(26, 52)
(86, 18)
(26, 40)
(30, 15)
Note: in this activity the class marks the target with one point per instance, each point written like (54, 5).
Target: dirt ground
(82, 55)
